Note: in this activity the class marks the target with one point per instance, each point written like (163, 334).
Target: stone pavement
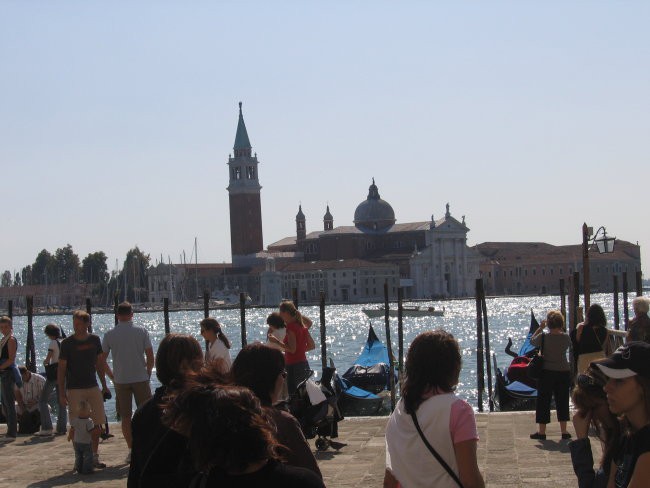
(47, 462)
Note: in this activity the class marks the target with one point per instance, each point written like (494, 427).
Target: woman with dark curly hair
(230, 440)
(261, 368)
(158, 456)
(431, 418)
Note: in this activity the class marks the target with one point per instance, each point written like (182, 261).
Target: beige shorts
(124, 394)
(94, 398)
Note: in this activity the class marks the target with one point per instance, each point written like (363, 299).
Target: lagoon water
(347, 330)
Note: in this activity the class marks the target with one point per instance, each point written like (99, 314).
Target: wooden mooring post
(639, 283)
(323, 334)
(576, 300)
(626, 309)
(480, 374)
(206, 304)
(242, 318)
(166, 314)
(294, 296)
(89, 311)
(617, 318)
(486, 332)
(30, 352)
(116, 302)
(563, 301)
(400, 332)
(389, 347)
(10, 309)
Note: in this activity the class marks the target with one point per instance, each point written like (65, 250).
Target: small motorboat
(406, 312)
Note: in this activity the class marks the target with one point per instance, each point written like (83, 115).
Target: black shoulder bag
(435, 453)
(536, 365)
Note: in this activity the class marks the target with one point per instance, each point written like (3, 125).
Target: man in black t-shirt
(78, 362)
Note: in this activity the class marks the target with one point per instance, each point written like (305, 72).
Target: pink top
(462, 423)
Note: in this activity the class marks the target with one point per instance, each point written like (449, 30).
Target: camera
(107, 395)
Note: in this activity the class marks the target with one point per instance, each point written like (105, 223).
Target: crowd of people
(610, 392)
(222, 421)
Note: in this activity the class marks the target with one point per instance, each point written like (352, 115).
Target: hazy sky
(117, 118)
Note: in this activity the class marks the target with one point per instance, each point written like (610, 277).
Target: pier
(507, 457)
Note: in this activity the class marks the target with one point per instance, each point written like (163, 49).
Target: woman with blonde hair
(555, 380)
(297, 341)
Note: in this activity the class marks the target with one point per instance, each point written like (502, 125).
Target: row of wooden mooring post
(484, 363)
(483, 355)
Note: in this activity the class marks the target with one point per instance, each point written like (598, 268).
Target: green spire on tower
(241, 139)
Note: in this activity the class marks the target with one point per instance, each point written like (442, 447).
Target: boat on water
(360, 387)
(406, 312)
(513, 390)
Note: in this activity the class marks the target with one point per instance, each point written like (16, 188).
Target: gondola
(370, 370)
(509, 393)
(359, 386)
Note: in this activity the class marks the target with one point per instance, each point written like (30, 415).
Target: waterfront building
(432, 257)
(446, 266)
(342, 280)
(45, 296)
(525, 268)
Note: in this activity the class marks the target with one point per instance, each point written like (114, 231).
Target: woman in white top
(430, 417)
(277, 329)
(53, 332)
(218, 343)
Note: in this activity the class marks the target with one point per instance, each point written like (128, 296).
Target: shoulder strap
(541, 349)
(593, 329)
(434, 452)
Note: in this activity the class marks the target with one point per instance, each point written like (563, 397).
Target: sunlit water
(347, 330)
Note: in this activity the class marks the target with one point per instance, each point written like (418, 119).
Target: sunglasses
(586, 381)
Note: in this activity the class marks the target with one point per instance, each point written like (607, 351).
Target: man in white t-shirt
(27, 398)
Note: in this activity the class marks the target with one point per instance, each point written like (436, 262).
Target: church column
(454, 287)
(441, 261)
(465, 273)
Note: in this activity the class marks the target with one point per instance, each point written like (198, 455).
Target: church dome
(374, 213)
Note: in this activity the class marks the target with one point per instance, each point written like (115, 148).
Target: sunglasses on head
(587, 381)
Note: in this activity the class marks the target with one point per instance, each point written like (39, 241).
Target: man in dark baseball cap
(631, 359)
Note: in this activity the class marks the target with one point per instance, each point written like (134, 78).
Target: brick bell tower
(244, 196)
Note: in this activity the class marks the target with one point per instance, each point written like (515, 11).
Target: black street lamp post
(604, 244)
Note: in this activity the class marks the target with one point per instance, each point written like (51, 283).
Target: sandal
(537, 435)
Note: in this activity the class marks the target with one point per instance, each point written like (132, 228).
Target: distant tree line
(64, 267)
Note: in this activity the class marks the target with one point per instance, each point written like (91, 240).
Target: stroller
(320, 419)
